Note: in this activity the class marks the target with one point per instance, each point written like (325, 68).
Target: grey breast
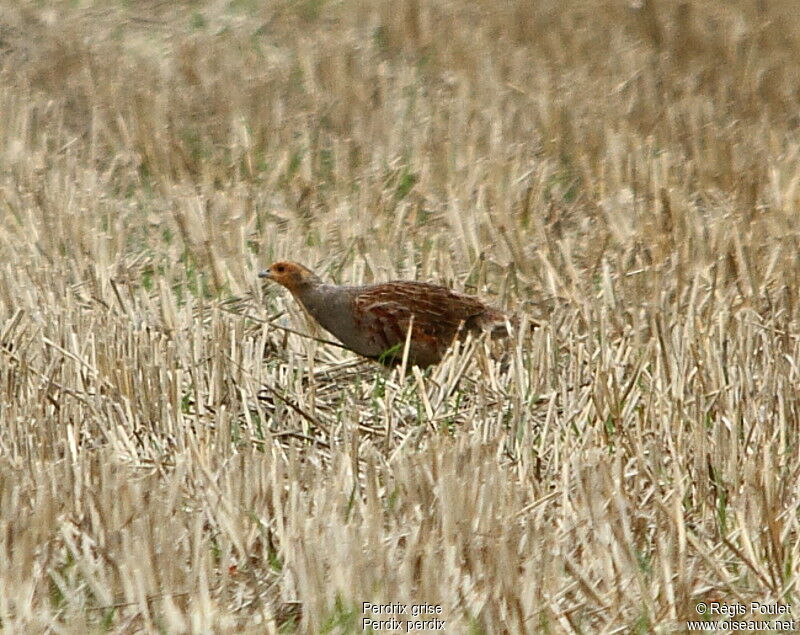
(332, 307)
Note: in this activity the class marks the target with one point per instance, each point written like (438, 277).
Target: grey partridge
(373, 319)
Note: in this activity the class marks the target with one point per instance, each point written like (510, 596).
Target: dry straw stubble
(175, 457)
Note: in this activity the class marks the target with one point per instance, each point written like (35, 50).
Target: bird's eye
(279, 268)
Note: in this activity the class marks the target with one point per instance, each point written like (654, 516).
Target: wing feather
(384, 311)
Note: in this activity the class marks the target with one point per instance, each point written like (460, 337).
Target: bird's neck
(323, 302)
(314, 297)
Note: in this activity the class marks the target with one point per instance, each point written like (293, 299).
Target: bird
(373, 320)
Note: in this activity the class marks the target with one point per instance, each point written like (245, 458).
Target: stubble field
(182, 451)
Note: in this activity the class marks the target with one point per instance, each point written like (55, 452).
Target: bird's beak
(265, 274)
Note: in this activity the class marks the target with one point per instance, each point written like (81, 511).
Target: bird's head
(291, 275)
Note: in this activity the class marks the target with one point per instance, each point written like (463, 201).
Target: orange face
(289, 274)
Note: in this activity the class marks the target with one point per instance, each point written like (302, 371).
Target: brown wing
(385, 311)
